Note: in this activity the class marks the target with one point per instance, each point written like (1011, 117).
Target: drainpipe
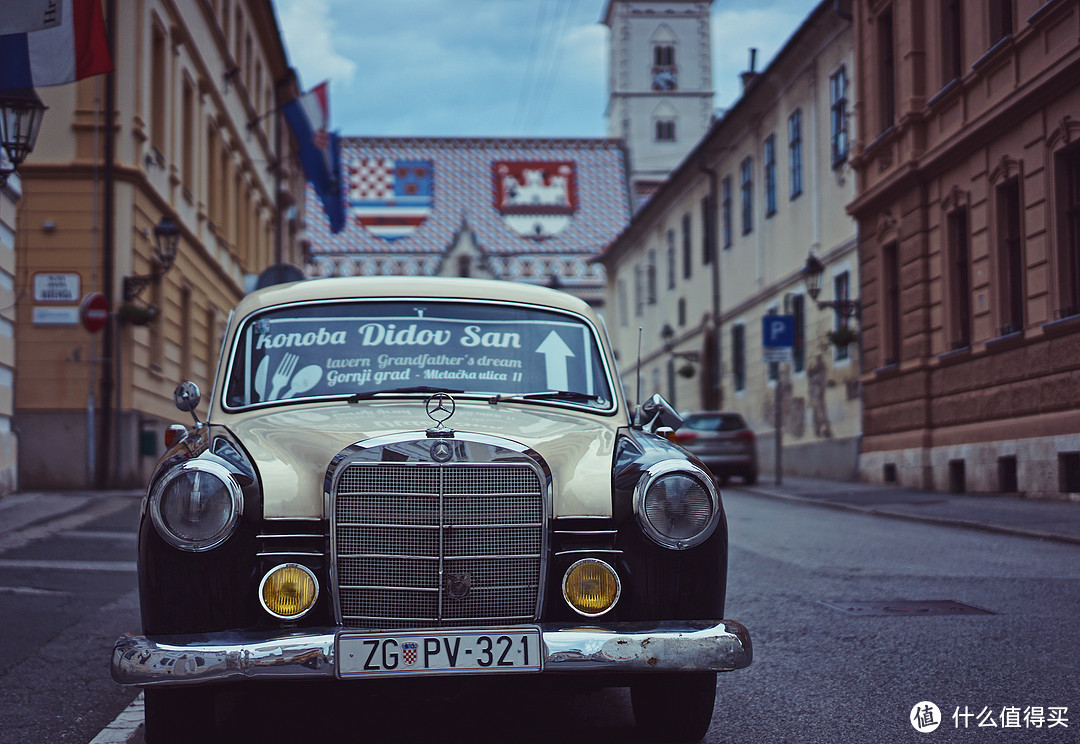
(103, 469)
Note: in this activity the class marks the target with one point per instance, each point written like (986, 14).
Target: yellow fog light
(288, 591)
(591, 587)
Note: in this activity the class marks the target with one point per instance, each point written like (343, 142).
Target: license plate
(423, 652)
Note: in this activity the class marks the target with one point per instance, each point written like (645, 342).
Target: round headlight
(591, 587)
(196, 505)
(677, 505)
(288, 591)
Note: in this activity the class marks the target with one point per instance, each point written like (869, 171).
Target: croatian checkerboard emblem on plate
(408, 653)
(390, 198)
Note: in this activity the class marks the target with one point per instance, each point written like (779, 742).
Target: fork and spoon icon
(307, 378)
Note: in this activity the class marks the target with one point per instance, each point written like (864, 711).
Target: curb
(924, 518)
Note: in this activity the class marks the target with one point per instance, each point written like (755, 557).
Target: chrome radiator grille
(421, 544)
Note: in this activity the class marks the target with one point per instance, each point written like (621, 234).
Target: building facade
(660, 94)
(9, 439)
(196, 142)
(968, 162)
(722, 245)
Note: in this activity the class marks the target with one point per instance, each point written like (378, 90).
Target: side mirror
(187, 397)
(656, 413)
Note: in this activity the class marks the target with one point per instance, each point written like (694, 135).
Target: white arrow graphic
(555, 352)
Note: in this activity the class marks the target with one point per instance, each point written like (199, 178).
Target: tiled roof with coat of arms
(536, 208)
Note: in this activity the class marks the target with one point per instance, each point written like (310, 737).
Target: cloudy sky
(491, 67)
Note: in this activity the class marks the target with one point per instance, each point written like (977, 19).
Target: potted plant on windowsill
(843, 336)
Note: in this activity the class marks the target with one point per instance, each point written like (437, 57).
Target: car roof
(410, 287)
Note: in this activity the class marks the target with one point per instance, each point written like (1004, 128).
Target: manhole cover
(907, 607)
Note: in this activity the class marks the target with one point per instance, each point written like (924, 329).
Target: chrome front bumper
(717, 646)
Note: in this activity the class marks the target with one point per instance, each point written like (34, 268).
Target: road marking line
(100, 535)
(33, 591)
(123, 726)
(113, 566)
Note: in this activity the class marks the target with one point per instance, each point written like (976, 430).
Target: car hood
(292, 447)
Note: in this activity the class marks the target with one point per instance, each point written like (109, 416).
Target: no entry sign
(94, 312)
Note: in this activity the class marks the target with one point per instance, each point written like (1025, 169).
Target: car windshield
(364, 348)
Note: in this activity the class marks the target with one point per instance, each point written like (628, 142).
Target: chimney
(749, 76)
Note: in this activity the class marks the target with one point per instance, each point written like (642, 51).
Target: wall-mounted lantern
(21, 113)
(812, 273)
(667, 333)
(166, 243)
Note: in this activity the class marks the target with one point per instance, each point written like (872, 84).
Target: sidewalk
(1006, 513)
(28, 515)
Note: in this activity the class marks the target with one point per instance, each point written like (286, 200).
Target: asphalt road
(820, 674)
(67, 583)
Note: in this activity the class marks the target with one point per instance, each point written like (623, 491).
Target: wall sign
(57, 287)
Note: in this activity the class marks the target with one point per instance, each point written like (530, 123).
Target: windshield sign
(344, 349)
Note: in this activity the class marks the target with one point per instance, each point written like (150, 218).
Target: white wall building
(723, 243)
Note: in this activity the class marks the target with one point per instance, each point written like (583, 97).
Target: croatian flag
(51, 42)
(308, 116)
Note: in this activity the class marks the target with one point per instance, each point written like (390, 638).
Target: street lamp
(812, 273)
(692, 357)
(166, 243)
(21, 112)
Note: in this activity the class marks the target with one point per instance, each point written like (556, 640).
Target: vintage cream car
(419, 477)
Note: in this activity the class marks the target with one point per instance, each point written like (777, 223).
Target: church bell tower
(660, 94)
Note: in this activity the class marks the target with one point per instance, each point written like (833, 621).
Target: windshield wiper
(368, 394)
(572, 395)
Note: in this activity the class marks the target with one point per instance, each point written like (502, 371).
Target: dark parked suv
(723, 441)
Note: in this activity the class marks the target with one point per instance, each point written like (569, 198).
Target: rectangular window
(159, 92)
(838, 115)
(951, 37)
(1010, 257)
(1001, 20)
(1069, 166)
(886, 70)
(213, 176)
(672, 270)
(706, 231)
(959, 280)
(798, 351)
(770, 175)
(794, 129)
(746, 188)
(687, 255)
(738, 356)
(664, 72)
(639, 291)
(185, 333)
(890, 275)
(187, 137)
(841, 293)
(665, 130)
(650, 279)
(725, 190)
(682, 311)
